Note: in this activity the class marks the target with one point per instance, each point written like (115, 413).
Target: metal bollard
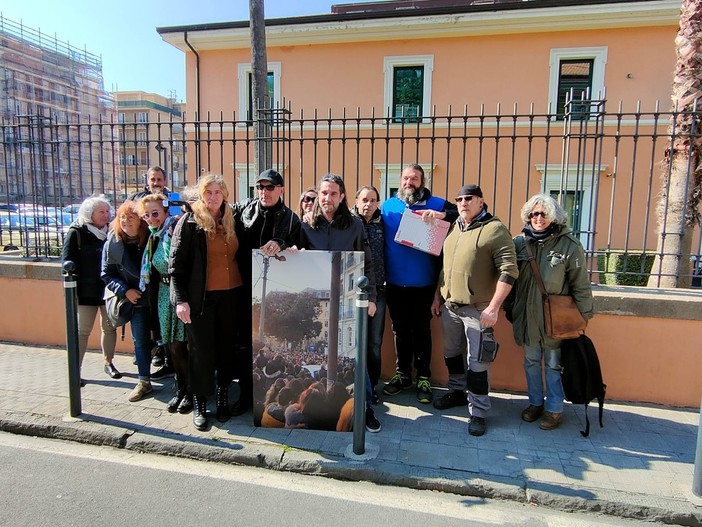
(697, 475)
(359, 385)
(71, 294)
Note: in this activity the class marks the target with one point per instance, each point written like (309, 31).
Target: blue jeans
(141, 335)
(533, 356)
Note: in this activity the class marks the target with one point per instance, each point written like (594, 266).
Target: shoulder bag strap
(535, 268)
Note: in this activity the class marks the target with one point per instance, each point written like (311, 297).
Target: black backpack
(581, 375)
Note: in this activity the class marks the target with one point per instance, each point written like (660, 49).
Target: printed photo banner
(304, 335)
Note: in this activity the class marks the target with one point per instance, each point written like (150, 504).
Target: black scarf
(529, 232)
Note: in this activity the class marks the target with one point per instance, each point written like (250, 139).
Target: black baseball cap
(470, 190)
(272, 176)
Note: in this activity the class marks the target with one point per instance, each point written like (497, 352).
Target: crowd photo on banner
(249, 308)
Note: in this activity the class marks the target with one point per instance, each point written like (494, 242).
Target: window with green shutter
(575, 76)
(407, 93)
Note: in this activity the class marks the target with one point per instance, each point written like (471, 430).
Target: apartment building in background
(52, 93)
(150, 132)
(473, 91)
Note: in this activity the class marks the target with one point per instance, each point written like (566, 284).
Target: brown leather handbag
(562, 318)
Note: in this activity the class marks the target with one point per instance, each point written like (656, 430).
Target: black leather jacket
(286, 224)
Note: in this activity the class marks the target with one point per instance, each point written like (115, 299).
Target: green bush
(617, 267)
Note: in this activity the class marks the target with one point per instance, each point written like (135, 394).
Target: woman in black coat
(83, 246)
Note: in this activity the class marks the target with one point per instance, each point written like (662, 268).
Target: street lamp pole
(162, 150)
(262, 317)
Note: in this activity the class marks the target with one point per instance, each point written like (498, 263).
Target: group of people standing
(481, 268)
(188, 278)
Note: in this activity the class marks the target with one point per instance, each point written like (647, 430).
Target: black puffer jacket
(187, 264)
(85, 249)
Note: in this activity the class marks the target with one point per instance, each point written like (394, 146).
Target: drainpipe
(197, 106)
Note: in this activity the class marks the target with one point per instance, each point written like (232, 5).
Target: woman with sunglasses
(560, 258)
(306, 203)
(155, 279)
(121, 264)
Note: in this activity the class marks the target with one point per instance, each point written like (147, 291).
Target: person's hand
(270, 248)
(293, 249)
(371, 309)
(133, 295)
(488, 317)
(183, 312)
(436, 306)
(430, 216)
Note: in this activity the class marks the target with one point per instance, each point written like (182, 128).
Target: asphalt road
(55, 483)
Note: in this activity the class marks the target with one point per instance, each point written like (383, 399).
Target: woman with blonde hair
(121, 269)
(206, 288)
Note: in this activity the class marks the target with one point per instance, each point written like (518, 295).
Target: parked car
(71, 209)
(15, 221)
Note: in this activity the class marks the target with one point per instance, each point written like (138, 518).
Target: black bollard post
(71, 294)
(359, 385)
(697, 475)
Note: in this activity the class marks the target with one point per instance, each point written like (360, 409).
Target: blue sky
(124, 33)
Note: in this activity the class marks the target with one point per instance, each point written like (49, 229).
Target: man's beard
(410, 196)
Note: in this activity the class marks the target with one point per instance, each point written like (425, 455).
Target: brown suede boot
(550, 421)
(532, 413)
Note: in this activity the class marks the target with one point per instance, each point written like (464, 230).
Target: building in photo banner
(304, 334)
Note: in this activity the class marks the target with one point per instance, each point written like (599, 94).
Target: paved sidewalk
(640, 465)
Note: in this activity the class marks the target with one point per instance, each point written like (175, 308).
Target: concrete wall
(648, 340)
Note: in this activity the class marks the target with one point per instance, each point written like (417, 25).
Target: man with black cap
(266, 224)
(480, 267)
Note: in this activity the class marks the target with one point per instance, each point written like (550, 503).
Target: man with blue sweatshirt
(411, 277)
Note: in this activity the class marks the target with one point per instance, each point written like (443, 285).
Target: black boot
(175, 401)
(200, 413)
(186, 405)
(223, 404)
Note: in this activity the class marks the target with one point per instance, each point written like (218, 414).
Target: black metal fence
(604, 166)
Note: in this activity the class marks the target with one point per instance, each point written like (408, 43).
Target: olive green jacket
(476, 256)
(561, 261)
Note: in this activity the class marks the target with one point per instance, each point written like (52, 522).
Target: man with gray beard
(411, 277)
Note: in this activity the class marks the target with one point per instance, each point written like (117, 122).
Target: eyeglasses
(269, 188)
(466, 198)
(154, 214)
(308, 199)
(537, 213)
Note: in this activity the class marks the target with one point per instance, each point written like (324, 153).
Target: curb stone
(280, 458)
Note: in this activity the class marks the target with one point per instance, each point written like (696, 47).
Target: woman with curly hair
(206, 288)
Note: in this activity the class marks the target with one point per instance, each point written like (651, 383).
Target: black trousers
(410, 312)
(212, 339)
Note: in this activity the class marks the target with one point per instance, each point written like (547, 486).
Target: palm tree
(681, 192)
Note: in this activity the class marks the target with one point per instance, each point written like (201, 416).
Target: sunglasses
(154, 214)
(308, 199)
(462, 198)
(537, 213)
(269, 188)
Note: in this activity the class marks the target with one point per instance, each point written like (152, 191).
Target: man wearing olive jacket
(480, 267)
